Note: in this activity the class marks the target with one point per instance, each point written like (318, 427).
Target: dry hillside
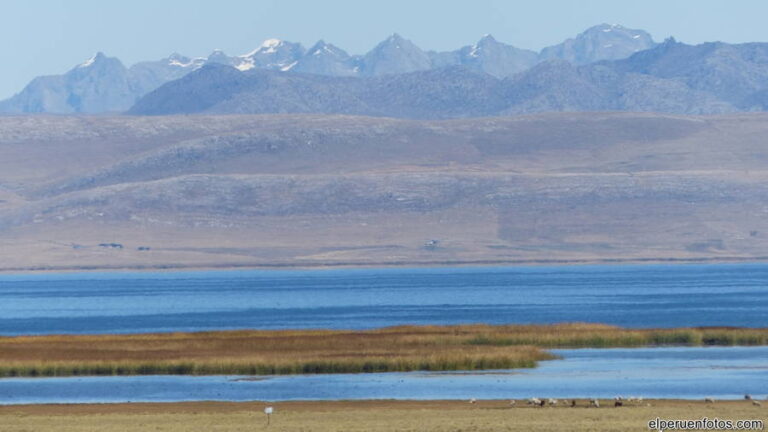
(311, 190)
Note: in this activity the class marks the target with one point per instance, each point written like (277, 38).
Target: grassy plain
(373, 416)
(405, 348)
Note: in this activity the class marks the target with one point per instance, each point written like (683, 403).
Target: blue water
(680, 373)
(634, 296)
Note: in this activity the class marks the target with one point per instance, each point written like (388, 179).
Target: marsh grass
(604, 336)
(283, 352)
(258, 353)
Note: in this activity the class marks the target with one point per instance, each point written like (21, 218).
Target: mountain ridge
(655, 80)
(66, 94)
(605, 68)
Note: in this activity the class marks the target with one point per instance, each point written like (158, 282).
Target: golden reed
(393, 349)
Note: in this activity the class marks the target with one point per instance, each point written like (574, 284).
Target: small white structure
(268, 411)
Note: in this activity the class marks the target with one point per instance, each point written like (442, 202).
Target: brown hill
(310, 190)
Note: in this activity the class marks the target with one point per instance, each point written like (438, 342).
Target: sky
(42, 37)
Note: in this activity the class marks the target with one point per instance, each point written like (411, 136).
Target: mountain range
(671, 77)
(606, 68)
(103, 84)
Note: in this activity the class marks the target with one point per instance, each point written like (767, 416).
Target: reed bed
(257, 353)
(394, 349)
(605, 336)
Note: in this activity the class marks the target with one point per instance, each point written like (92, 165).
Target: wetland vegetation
(282, 352)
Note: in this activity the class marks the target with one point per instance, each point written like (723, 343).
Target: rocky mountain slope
(99, 85)
(603, 42)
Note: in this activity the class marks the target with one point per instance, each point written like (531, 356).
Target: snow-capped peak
(486, 40)
(99, 55)
(273, 54)
(242, 67)
(217, 54)
(181, 61)
(606, 28)
(288, 67)
(323, 48)
(271, 43)
(269, 46)
(395, 40)
(88, 62)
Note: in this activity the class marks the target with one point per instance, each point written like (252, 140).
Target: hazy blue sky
(50, 36)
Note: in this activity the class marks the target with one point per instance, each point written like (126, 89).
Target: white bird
(756, 403)
(552, 402)
(473, 400)
(512, 402)
(594, 402)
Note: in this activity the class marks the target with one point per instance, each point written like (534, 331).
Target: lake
(681, 373)
(633, 296)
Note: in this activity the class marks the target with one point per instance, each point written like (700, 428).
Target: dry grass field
(369, 416)
(404, 348)
(322, 191)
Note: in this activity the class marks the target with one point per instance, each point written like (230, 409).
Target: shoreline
(367, 416)
(332, 405)
(333, 265)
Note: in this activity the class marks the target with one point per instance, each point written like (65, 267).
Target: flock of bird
(618, 401)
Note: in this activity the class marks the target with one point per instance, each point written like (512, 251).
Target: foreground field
(405, 348)
(362, 416)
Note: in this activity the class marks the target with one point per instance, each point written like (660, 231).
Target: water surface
(684, 373)
(634, 296)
